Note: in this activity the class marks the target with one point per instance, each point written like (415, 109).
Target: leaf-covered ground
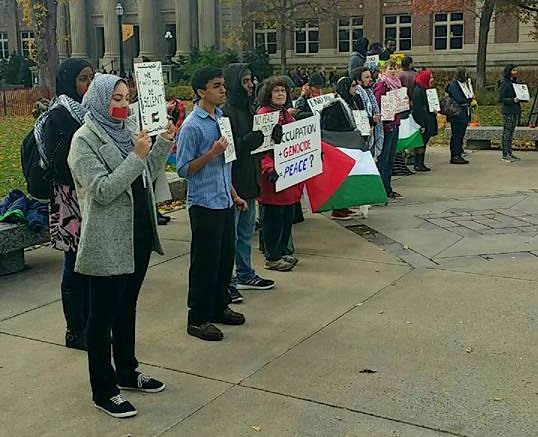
(12, 132)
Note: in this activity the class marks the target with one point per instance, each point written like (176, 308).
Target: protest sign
(265, 123)
(298, 156)
(433, 100)
(151, 97)
(362, 122)
(316, 103)
(372, 60)
(522, 92)
(402, 99)
(388, 107)
(226, 131)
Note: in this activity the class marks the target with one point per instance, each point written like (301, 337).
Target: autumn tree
(283, 14)
(483, 10)
(41, 16)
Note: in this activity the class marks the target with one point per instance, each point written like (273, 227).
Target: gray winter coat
(103, 184)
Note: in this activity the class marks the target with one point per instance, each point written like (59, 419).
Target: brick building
(89, 28)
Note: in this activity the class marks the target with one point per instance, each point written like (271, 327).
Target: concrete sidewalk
(448, 323)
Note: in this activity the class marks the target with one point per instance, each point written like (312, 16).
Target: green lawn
(12, 132)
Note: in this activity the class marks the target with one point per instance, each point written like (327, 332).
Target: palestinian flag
(350, 177)
(410, 136)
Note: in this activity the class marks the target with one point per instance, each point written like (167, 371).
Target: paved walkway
(438, 300)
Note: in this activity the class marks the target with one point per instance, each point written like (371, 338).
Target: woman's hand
(377, 118)
(142, 144)
(170, 133)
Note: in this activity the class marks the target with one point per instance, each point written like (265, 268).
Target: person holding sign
(210, 201)
(510, 110)
(278, 207)
(246, 173)
(462, 95)
(113, 172)
(389, 81)
(423, 116)
(311, 89)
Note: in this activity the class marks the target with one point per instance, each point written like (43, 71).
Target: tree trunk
(51, 56)
(283, 48)
(481, 56)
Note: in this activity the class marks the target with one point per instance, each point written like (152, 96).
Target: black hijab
(342, 89)
(67, 77)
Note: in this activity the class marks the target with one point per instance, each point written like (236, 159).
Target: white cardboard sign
(362, 122)
(372, 60)
(151, 97)
(433, 100)
(522, 91)
(265, 123)
(298, 156)
(388, 107)
(316, 103)
(402, 99)
(226, 132)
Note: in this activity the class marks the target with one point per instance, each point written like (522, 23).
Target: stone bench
(14, 238)
(480, 137)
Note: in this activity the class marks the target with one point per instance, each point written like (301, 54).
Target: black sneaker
(235, 296)
(74, 341)
(256, 283)
(143, 383)
(229, 317)
(205, 331)
(117, 407)
(458, 160)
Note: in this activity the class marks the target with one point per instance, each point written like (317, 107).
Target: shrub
(259, 63)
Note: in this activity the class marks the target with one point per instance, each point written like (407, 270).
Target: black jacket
(239, 108)
(454, 90)
(422, 114)
(59, 130)
(507, 96)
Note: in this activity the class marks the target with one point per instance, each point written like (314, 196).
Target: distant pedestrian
(510, 110)
(358, 56)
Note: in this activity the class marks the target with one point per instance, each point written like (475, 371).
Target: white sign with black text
(151, 97)
(298, 156)
(522, 92)
(265, 123)
(433, 100)
(317, 103)
(226, 131)
(362, 122)
(402, 99)
(388, 107)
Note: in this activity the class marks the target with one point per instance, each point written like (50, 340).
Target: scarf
(392, 82)
(467, 89)
(342, 89)
(284, 117)
(97, 100)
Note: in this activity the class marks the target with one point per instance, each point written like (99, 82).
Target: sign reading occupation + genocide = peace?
(151, 97)
(298, 156)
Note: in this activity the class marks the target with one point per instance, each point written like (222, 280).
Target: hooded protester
(312, 89)
(422, 115)
(113, 172)
(358, 57)
(460, 91)
(54, 131)
(246, 172)
(510, 110)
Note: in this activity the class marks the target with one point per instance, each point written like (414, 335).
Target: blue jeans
(245, 222)
(385, 161)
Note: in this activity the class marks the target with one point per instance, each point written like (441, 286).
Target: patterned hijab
(97, 100)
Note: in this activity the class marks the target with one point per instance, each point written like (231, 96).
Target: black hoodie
(239, 108)
(507, 93)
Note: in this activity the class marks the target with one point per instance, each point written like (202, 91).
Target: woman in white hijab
(113, 173)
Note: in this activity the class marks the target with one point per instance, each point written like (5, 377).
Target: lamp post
(119, 14)
(168, 37)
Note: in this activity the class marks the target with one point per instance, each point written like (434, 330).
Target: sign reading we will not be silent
(298, 156)
(151, 97)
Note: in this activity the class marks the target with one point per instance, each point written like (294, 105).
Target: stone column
(183, 28)
(112, 43)
(149, 30)
(61, 32)
(206, 23)
(77, 28)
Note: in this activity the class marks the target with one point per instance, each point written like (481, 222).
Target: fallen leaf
(338, 418)
(409, 323)
(406, 247)
(368, 371)
(468, 350)
(381, 312)
(256, 428)
(498, 399)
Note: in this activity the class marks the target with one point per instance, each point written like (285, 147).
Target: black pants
(74, 296)
(385, 161)
(456, 140)
(113, 309)
(277, 223)
(212, 261)
(510, 122)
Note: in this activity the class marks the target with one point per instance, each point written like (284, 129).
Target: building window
(27, 41)
(448, 31)
(265, 38)
(307, 36)
(349, 31)
(398, 28)
(4, 48)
